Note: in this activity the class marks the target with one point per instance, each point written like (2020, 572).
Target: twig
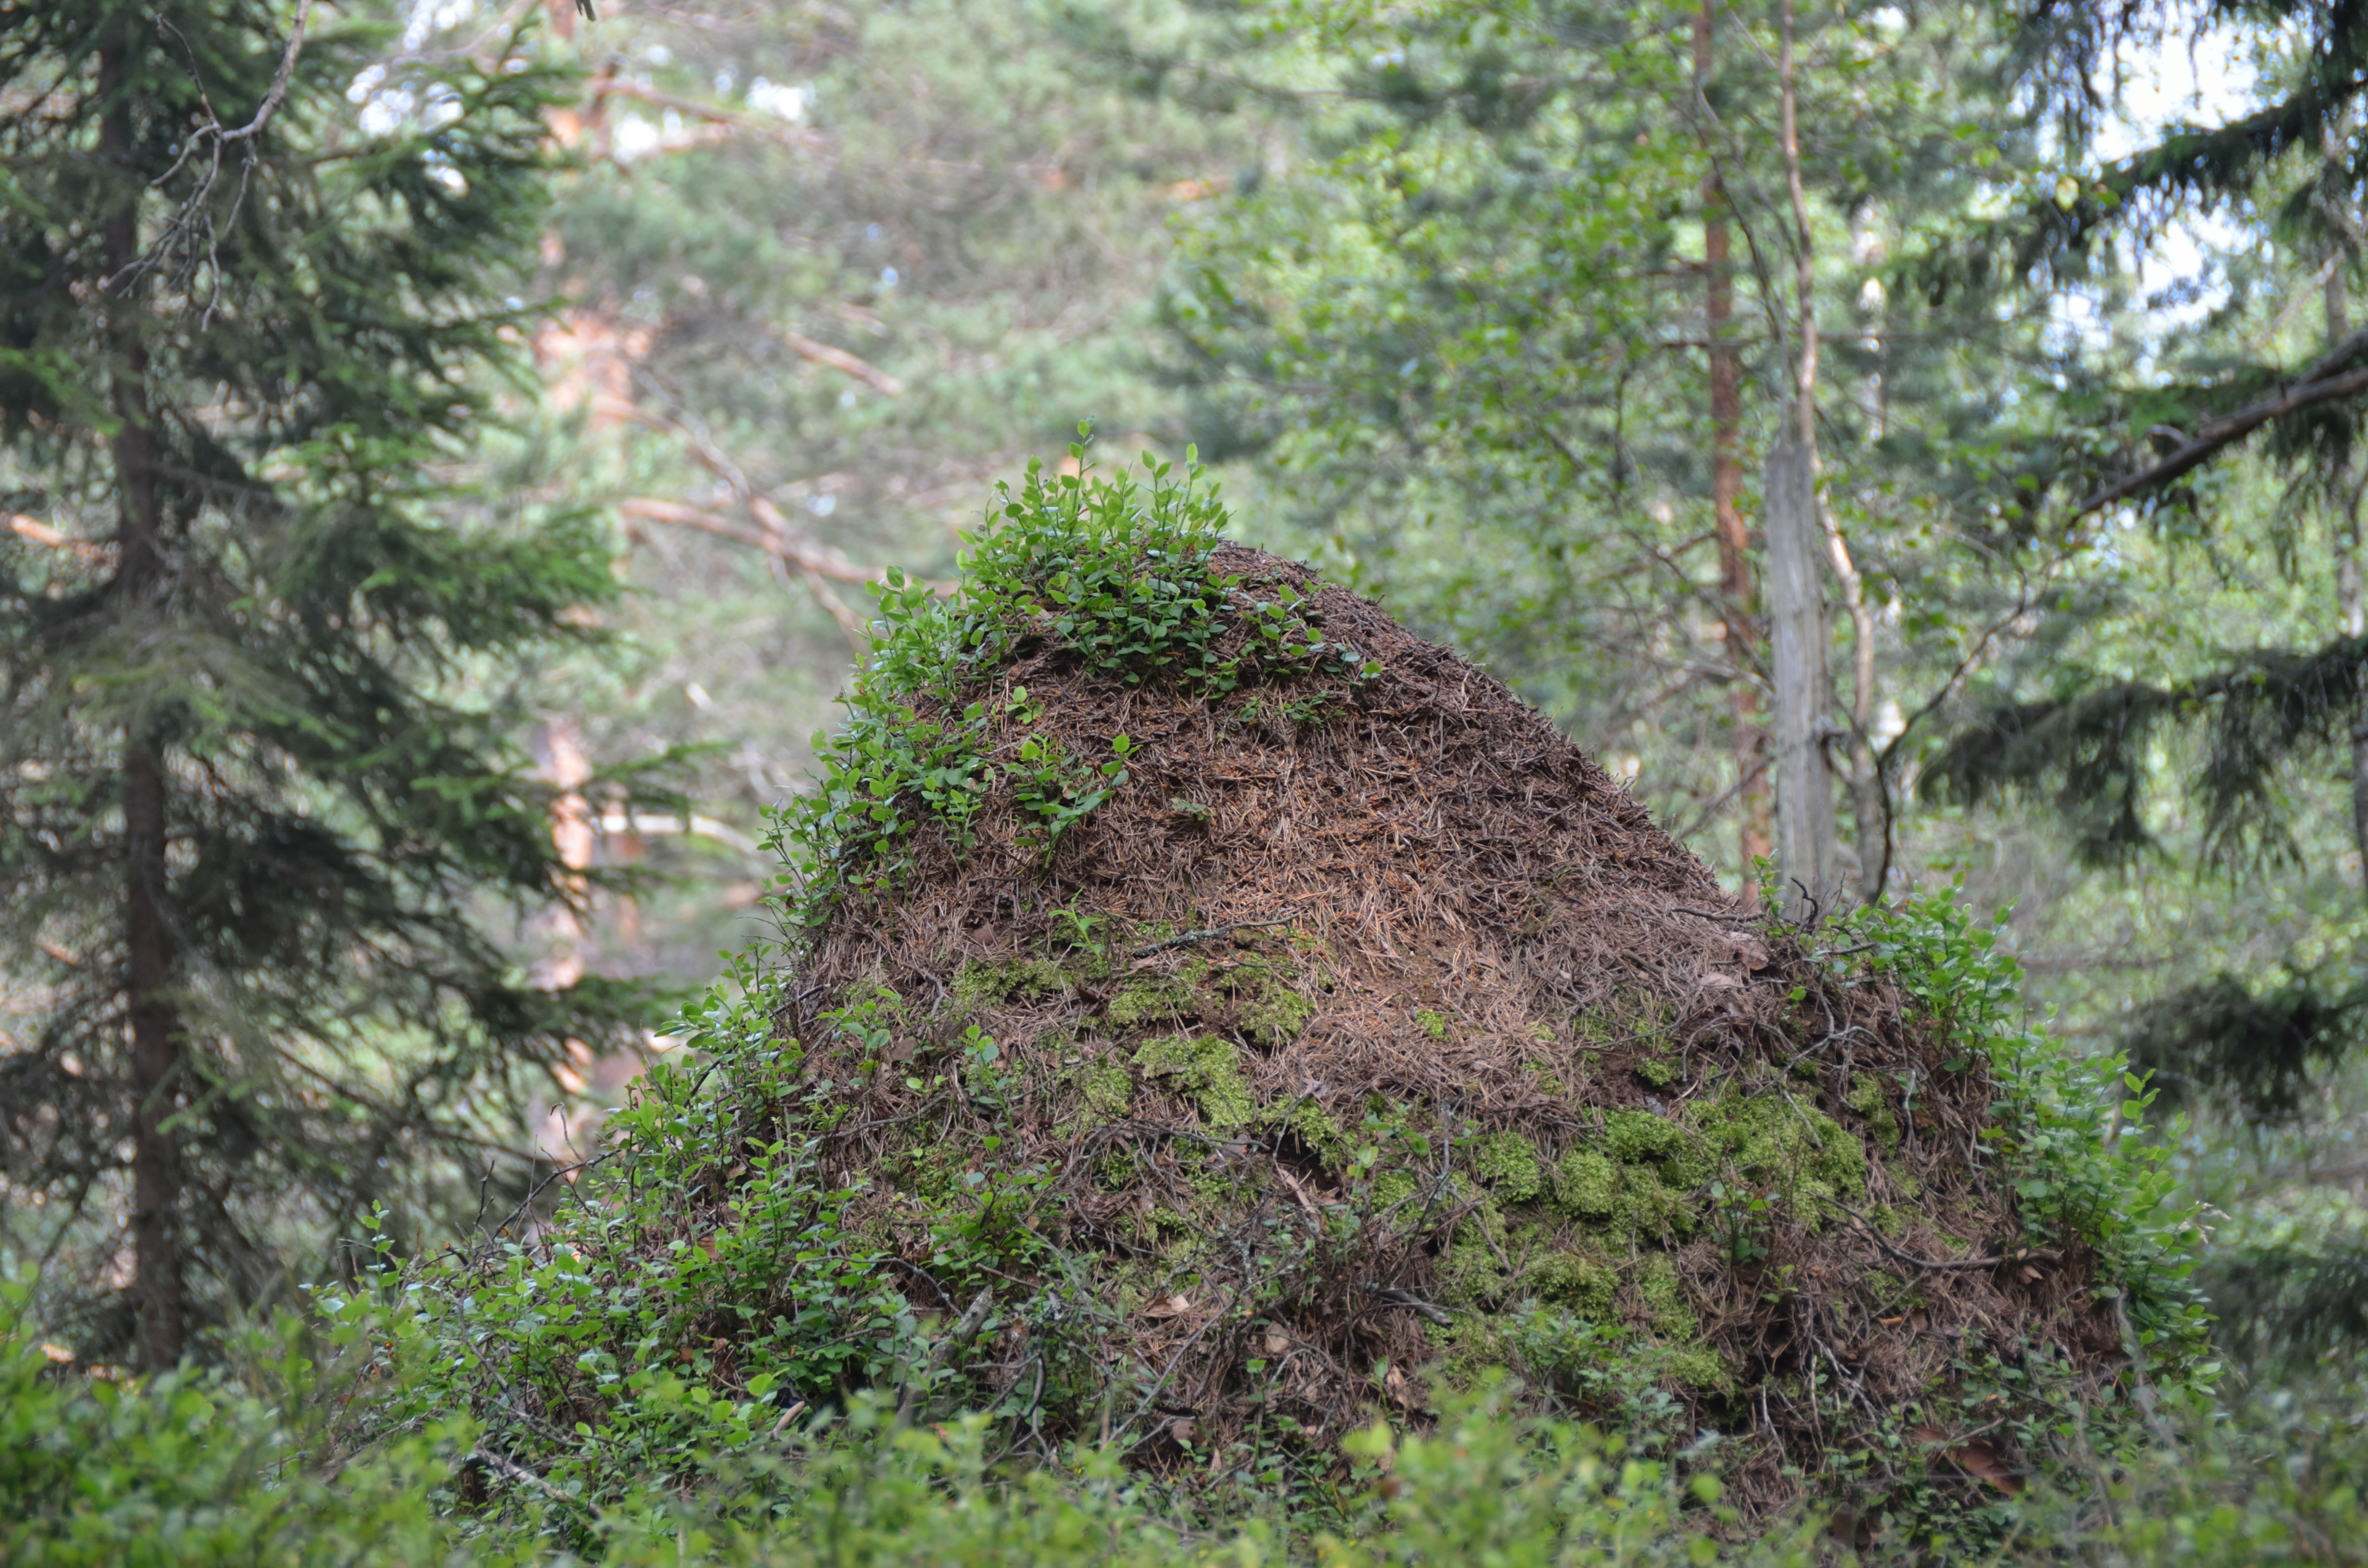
(2040, 1255)
(1412, 1303)
(214, 136)
(1712, 914)
(1210, 934)
(485, 1459)
(973, 1320)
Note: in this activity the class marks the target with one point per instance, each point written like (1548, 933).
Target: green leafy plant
(1114, 574)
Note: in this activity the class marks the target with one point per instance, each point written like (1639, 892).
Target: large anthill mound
(1217, 1017)
(1269, 1016)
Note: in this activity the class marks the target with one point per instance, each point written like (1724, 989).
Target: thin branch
(1210, 935)
(840, 360)
(1943, 1264)
(213, 137)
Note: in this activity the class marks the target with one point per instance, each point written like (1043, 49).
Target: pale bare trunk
(1736, 586)
(1796, 541)
(1806, 852)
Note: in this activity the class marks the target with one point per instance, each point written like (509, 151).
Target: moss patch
(1586, 1184)
(1665, 1299)
(981, 984)
(1508, 1163)
(1211, 1069)
(1275, 1017)
(1317, 1128)
(1799, 1151)
(1867, 1098)
(1575, 1280)
(1107, 1089)
(1699, 1367)
(1159, 999)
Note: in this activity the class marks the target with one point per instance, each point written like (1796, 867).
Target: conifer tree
(2188, 453)
(256, 796)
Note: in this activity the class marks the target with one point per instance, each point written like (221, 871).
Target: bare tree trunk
(1805, 800)
(1806, 853)
(1867, 815)
(1736, 586)
(155, 1027)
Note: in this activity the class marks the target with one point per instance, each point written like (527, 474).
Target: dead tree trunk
(1736, 589)
(1806, 852)
(1806, 848)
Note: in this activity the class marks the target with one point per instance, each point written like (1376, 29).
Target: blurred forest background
(1492, 309)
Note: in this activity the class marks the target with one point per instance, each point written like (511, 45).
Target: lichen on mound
(1222, 1016)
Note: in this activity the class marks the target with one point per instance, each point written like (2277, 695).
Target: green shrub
(192, 1469)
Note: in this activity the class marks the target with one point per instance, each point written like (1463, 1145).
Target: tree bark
(2347, 579)
(1804, 803)
(155, 1027)
(1736, 589)
(1806, 848)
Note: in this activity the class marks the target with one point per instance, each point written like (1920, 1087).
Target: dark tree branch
(2323, 382)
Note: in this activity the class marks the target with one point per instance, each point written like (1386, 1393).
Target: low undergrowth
(258, 1465)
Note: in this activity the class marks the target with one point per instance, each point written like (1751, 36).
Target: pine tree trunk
(155, 1030)
(1736, 586)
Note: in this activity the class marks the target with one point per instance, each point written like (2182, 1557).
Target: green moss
(1107, 1091)
(1434, 1023)
(1797, 1151)
(1638, 1137)
(1469, 1270)
(1867, 1098)
(980, 983)
(1393, 1186)
(1315, 1125)
(1586, 1184)
(1699, 1367)
(1275, 1017)
(1211, 1072)
(1633, 1135)
(1575, 1280)
(1665, 1299)
(1657, 1071)
(1650, 1208)
(1508, 1163)
(1157, 1000)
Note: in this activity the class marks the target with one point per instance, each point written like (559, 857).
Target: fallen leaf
(1979, 1458)
(1183, 1429)
(1976, 1459)
(1168, 1307)
(1277, 1342)
(2031, 1274)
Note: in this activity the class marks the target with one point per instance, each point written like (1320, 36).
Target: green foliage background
(1423, 282)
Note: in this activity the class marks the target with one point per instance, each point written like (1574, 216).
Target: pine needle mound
(1254, 1028)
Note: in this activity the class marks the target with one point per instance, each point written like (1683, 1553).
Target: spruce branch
(2331, 378)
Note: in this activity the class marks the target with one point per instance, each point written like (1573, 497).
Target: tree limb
(2323, 382)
